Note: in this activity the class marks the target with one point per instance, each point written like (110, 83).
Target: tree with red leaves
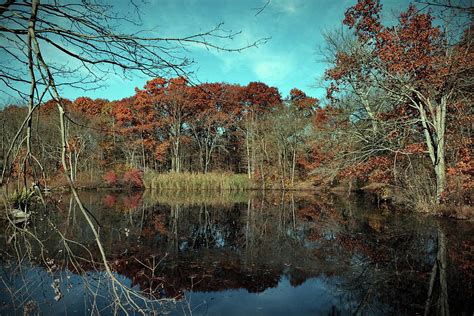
(216, 107)
(416, 68)
(136, 121)
(256, 99)
(167, 105)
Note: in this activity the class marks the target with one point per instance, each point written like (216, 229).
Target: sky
(290, 58)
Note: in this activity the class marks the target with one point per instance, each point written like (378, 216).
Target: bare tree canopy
(84, 42)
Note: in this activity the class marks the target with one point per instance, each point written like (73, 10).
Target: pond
(264, 253)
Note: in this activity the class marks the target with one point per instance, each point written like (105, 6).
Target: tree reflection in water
(279, 252)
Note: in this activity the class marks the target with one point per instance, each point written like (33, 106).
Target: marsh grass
(187, 181)
(183, 198)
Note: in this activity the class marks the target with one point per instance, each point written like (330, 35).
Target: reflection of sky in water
(76, 291)
(310, 298)
(314, 296)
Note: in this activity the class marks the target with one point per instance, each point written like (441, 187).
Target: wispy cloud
(272, 71)
(287, 6)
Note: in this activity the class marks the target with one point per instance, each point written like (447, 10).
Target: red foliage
(365, 18)
(416, 148)
(110, 177)
(133, 201)
(259, 98)
(344, 64)
(333, 88)
(161, 150)
(50, 106)
(216, 107)
(412, 47)
(461, 255)
(89, 106)
(302, 101)
(375, 169)
(317, 157)
(133, 178)
(110, 200)
(159, 223)
(461, 174)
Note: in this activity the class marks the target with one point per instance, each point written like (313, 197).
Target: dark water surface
(236, 254)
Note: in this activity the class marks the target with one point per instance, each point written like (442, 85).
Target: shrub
(110, 177)
(133, 178)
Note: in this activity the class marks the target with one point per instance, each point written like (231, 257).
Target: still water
(235, 254)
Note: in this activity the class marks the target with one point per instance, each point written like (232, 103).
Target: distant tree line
(171, 125)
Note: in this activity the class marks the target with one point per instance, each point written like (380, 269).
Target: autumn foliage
(397, 110)
(111, 178)
(403, 87)
(133, 178)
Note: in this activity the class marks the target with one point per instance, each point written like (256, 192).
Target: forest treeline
(171, 125)
(398, 112)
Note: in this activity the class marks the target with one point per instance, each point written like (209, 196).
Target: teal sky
(289, 59)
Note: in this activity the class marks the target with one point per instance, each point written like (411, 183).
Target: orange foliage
(89, 106)
(413, 47)
(375, 169)
(302, 101)
(365, 18)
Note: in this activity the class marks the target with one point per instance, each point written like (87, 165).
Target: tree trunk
(293, 167)
(207, 158)
(441, 257)
(438, 273)
(76, 162)
(247, 145)
(143, 151)
(440, 168)
(176, 156)
(201, 156)
(434, 132)
(176, 146)
(371, 114)
(282, 169)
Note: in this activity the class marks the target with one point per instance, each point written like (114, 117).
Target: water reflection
(279, 253)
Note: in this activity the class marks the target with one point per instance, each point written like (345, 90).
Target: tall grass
(419, 189)
(187, 181)
(193, 198)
